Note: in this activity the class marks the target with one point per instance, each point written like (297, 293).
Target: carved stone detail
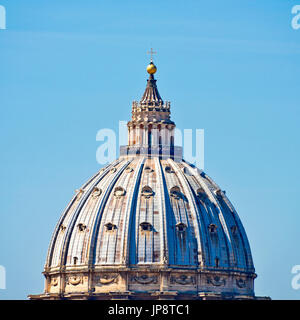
(54, 282)
(183, 279)
(216, 281)
(107, 278)
(144, 279)
(74, 280)
(241, 283)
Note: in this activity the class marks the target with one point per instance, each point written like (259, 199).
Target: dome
(149, 225)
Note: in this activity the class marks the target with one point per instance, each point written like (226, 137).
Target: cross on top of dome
(151, 52)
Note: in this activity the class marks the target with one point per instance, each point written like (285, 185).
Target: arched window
(149, 138)
(172, 141)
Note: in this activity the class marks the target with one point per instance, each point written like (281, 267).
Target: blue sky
(229, 67)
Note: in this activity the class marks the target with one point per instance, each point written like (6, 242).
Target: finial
(151, 68)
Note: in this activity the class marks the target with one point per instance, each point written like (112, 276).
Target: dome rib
(194, 209)
(129, 211)
(187, 192)
(163, 216)
(131, 247)
(94, 233)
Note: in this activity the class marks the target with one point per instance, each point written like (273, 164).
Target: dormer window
(147, 192)
(218, 192)
(96, 192)
(234, 229)
(119, 192)
(187, 171)
(175, 192)
(146, 226)
(212, 228)
(201, 193)
(81, 227)
(110, 226)
(148, 169)
(181, 227)
(168, 169)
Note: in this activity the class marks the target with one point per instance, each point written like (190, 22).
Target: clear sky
(71, 68)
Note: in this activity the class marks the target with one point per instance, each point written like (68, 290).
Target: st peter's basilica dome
(149, 225)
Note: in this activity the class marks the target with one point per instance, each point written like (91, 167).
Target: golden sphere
(151, 68)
